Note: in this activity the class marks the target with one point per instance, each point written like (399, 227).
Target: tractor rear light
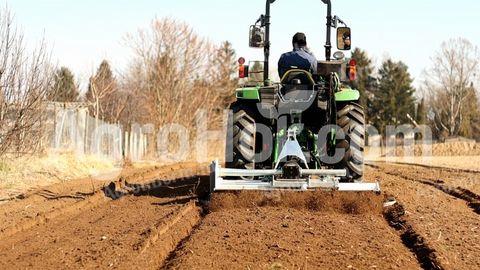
(241, 72)
(352, 70)
(242, 68)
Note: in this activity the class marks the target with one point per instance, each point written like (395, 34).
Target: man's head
(299, 40)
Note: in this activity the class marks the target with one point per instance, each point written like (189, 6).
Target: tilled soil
(57, 228)
(452, 177)
(449, 225)
(116, 235)
(158, 219)
(288, 236)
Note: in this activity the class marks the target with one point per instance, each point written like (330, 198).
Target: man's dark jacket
(299, 58)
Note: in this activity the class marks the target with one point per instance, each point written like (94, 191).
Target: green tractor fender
(248, 93)
(347, 94)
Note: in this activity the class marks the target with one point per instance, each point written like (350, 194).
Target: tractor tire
(241, 143)
(351, 119)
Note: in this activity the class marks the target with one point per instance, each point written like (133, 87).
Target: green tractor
(306, 132)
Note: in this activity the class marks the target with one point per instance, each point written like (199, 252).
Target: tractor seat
(297, 77)
(296, 80)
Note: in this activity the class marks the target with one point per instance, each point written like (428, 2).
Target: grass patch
(4, 166)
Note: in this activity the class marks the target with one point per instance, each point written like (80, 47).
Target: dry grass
(18, 175)
(461, 155)
(438, 149)
(459, 162)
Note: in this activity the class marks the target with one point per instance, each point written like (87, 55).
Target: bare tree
(138, 106)
(101, 91)
(175, 73)
(448, 84)
(24, 82)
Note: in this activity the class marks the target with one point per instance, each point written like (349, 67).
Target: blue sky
(83, 32)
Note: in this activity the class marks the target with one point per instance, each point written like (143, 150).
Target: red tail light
(352, 70)
(242, 68)
(241, 71)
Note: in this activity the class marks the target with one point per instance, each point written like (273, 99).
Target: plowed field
(161, 219)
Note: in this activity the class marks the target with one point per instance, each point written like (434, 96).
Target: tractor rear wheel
(240, 151)
(351, 119)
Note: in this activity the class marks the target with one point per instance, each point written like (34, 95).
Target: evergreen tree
(103, 81)
(421, 115)
(226, 66)
(64, 88)
(226, 63)
(365, 81)
(470, 127)
(393, 99)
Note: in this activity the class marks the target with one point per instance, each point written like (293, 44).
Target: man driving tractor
(280, 135)
(299, 58)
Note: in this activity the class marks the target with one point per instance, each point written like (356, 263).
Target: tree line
(446, 100)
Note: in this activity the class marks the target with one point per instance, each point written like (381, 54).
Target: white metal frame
(329, 179)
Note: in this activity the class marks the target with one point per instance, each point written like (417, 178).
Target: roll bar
(266, 24)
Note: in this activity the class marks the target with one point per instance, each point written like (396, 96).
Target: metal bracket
(336, 20)
(291, 148)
